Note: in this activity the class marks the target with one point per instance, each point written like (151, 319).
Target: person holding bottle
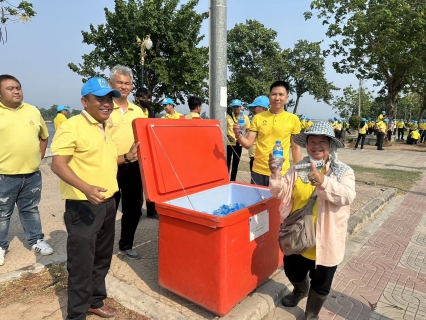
(233, 148)
(311, 273)
(268, 127)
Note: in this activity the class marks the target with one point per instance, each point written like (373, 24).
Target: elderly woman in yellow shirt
(335, 193)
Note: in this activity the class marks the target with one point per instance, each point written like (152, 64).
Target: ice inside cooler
(209, 200)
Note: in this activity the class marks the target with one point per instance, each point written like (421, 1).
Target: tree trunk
(296, 105)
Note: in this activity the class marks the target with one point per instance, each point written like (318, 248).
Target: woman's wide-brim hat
(320, 128)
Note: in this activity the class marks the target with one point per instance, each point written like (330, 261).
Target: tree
(176, 66)
(305, 66)
(254, 60)
(22, 12)
(383, 40)
(347, 105)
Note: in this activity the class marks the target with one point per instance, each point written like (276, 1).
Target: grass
(50, 282)
(393, 178)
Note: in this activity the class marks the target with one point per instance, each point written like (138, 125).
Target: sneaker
(2, 254)
(42, 247)
(130, 253)
(355, 148)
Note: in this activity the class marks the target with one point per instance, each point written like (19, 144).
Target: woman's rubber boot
(299, 292)
(314, 305)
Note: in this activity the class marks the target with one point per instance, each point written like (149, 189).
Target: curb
(255, 306)
(366, 213)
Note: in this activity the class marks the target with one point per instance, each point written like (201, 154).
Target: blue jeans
(25, 191)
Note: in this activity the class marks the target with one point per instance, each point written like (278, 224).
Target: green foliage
(175, 66)
(354, 121)
(383, 40)
(254, 60)
(347, 105)
(22, 12)
(305, 66)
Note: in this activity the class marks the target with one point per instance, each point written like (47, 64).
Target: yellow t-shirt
(415, 135)
(380, 117)
(382, 126)
(303, 124)
(338, 126)
(59, 119)
(192, 115)
(423, 126)
(93, 155)
(413, 126)
(270, 128)
(308, 125)
(176, 115)
(363, 130)
(400, 124)
(230, 123)
(120, 126)
(20, 132)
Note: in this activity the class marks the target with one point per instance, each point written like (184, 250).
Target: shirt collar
(4, 107)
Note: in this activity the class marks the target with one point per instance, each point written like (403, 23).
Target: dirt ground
(44, 296)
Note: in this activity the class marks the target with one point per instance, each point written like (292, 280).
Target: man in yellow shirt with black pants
(23, 136)
(268, 127)
(85, 159)
(61, 116)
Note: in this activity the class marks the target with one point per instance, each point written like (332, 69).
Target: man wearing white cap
(85, 158)
(61, 116)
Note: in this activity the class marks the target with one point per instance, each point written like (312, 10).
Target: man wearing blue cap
(169, 106)
(362, 132)
(61, 116)
(85, 158)
(381, 131)
(259, 105)
(233, 148)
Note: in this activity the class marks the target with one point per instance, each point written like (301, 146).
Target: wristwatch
(125, 158)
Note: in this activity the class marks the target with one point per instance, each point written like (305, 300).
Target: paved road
(389, 267)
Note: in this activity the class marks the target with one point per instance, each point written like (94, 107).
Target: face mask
(145, 103)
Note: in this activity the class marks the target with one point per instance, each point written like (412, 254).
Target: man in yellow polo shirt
(381, 131)
(269, 126)
(400, 126)
(169, 107)
(413, 137)
(128, 176)
(85, 159)
(61, 117)
(195, 105)
(23, 136)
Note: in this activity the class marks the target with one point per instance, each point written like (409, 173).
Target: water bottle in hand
(278, 154)
(241, 122)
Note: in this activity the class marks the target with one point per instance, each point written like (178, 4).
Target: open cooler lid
(179, 157)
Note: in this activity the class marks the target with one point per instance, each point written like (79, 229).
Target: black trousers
(411, 140)
(296, 267)
(90, 242)
(380, 137)
(130, 192)
(361, 136)
(400, 133)
(389, 133)
(251, 163)
(422, 135)
(233, 153)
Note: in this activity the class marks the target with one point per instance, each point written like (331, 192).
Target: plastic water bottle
(241, 121)
(278, 154)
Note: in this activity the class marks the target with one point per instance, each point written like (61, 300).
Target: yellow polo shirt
(363, 130)
(176, 115)
(303, 124)
(415, 135)
(20, 133)
(192, 115)
(400, 124)
(230, 123)
(382, 126)
(308, 125)
(380, 117)
(120, 126)
(423, 126)
(59, 119)
(93, 155)
(269, 128)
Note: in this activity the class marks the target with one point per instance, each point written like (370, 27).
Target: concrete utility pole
(218, 94)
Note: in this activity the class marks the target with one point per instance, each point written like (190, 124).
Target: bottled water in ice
(278, 154)
(225, 209)
(241, 122)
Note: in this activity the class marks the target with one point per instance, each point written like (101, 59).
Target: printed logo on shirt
(31, 122)
(265, 122)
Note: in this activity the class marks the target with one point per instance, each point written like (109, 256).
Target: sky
(37, 52)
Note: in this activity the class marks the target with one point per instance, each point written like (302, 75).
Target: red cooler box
(212, 261)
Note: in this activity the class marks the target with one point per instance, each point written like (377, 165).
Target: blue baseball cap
(307, 118)
(61, 107)
(363, 119)
(261, 101)
(383, 112)
(98, 87)
(386, 120)
(168, 101)
(237, 103)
